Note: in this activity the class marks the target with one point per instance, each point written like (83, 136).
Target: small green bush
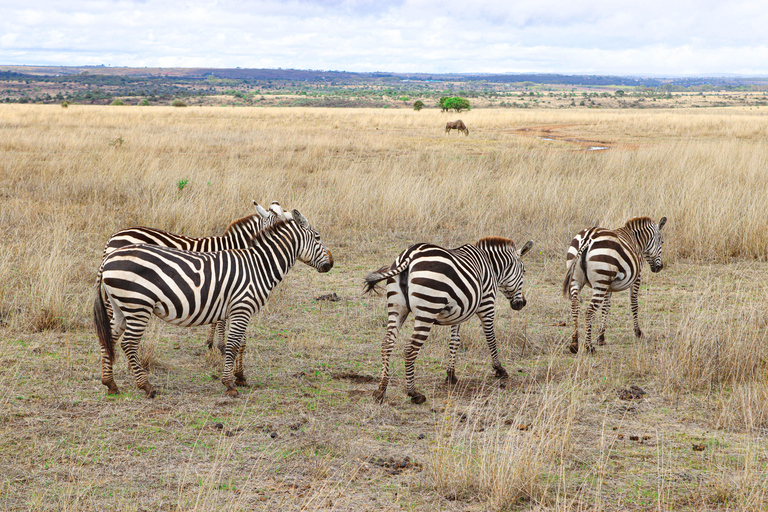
(64, 104)
(178, 103)
(143, 103)
(418, 105)
(117, 102)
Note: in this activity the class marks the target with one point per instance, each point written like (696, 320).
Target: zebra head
(312, 250)
(511, 275)
(652, 249)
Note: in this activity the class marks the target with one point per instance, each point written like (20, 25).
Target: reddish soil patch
(553, 132)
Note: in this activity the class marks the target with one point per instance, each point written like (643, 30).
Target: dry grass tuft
(480, 453)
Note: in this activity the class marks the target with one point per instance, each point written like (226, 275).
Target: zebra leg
(453, 346)
(604, 318)
(487, 320)
(221, 328)
(107, 376)
(575, 307)
(594, 306)
(396, 317)
(237, 327)
(134, 330)
(240, 379)
(421, 329)
(211, 335)
(633, 305)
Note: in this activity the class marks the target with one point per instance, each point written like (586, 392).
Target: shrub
(117, 102)
(143, 103)
(418, 105)
(64, 104)
(178, 103)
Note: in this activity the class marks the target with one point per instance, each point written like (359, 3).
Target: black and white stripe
(610, 261)
(446, 287)
(238, 235)
(193, 288)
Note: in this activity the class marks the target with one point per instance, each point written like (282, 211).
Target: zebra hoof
(232, 393)
(242, 383)
(418, 398)
(113, 391)
(451, 379)
(601, 340)
(379, 395)
(574, 348)
(501, 373)
(149, 391)
(638, 333)
(591, 350)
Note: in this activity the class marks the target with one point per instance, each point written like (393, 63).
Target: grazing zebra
(610, 261)
(446, 287)
(238, 235)
(195, 288)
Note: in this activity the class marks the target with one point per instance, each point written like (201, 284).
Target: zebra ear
(526, 247)
(277, 209)
(261, 211)
(662, 221)
(300, 219)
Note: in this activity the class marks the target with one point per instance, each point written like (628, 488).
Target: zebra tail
(383, 273)
(103, 327)
(572, 269)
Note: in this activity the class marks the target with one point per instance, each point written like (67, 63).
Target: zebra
(238, 235)
(610, 261)
(195, 288)
(446, 287)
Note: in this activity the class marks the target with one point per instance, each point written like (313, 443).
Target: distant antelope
(456, 125)
(610, 261)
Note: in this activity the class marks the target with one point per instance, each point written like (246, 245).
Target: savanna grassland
(561, 434)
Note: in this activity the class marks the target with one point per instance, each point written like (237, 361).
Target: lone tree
(454, 103)
(418, 105)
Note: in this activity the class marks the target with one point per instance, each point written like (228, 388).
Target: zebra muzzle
(517, 305)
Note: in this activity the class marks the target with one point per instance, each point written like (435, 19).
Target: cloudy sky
(648, 37)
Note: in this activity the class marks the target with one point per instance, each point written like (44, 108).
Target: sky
(601, 37)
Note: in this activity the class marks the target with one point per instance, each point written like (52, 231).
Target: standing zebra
(195, 288)
(610, 261)
(446, 287)
(238, 235)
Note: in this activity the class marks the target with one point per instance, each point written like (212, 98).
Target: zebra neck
(276, 252)
(239, 235)
(640, 232)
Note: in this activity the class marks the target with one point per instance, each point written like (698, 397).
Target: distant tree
(178, 103)
(619, 93)
(418, 105)
(143, 103)
(455, 103)
(117, 102)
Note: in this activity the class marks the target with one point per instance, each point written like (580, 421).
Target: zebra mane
(638, 221)
(494, 241)
(267, 232)
(239, 223)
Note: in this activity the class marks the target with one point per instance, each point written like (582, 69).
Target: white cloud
(597, 36)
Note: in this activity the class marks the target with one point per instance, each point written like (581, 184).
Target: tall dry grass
(504, 454)
(359, 174)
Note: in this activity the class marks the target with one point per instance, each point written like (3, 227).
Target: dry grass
(308, 435)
